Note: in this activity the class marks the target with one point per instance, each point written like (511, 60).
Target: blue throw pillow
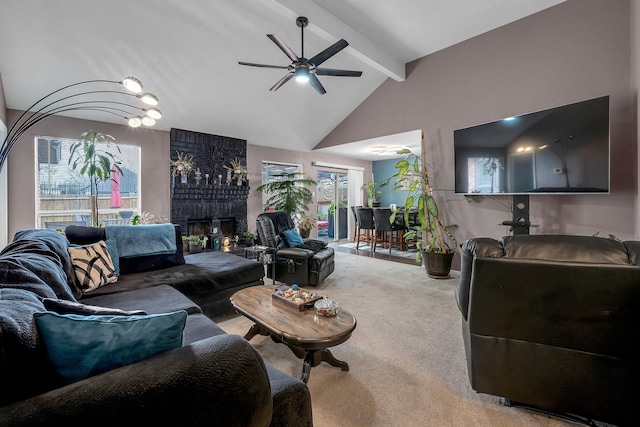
(293, 238)
(81, 346)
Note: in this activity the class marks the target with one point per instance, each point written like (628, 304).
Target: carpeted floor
(406, 356)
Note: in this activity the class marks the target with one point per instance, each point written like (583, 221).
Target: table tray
(311, 298)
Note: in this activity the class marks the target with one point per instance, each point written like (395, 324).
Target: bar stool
(391, 233)
(356, 227)
(366, 225)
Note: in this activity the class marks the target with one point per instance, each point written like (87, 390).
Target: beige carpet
(406, 356)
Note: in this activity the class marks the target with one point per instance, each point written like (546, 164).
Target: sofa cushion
(153, 300)
(58, 244)
(81, 346)
(93, 266)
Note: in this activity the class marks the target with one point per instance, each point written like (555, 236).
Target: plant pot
(195, 249)
(247, 242)
(438, 265)
(304, 233)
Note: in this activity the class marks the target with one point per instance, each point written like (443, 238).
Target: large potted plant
(435, 243)
(288, 192)
(95, 162)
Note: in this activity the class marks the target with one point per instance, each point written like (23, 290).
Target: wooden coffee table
(308, 335)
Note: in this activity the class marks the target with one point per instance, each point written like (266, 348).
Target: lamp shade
(132, 84)
(152, 112)
(148, 121)
(149, 99)
(134, 121)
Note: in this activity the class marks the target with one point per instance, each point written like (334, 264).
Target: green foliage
(289, 192)
(306, 222)
(371, 188)
(332, 207)
(194, 240)
(90, 156)
(435, 236)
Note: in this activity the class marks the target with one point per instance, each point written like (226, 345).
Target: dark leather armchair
(304, 265)
(552, 322)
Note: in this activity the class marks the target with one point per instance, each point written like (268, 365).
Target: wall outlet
(557, 171)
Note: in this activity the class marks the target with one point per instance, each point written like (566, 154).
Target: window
(269, 169)
(63, 194)
(484, 174)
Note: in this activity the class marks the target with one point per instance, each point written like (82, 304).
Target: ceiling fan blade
(313, 81)
(328, 52)
(335, 72)
(282, 81)
(251, 64)
(287, 51)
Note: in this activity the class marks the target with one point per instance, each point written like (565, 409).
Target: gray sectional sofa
(213, 378)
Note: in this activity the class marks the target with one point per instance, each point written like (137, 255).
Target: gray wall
(3, 104)
(578, 50)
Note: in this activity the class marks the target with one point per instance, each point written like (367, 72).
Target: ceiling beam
(331, 28)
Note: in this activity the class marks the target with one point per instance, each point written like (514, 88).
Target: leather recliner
(308, 265)
(551, 322)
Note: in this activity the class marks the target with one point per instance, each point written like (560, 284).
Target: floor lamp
(107, 96)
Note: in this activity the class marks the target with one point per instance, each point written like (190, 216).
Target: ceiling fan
(303, 69)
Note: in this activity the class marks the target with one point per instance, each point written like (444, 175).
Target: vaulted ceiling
(187, 53)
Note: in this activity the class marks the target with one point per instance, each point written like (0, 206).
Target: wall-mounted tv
(562, 150)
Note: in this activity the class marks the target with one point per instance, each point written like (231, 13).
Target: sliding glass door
(332, 205)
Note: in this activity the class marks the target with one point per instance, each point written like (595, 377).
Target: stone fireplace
(200, 205)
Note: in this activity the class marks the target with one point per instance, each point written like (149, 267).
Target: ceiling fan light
(153, 112)
(132, 84)
(134, 121)
(148, 121)
(149, 98)
(302, 74)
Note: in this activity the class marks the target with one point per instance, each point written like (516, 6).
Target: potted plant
(371, 189)
(341, 214)
(182, 166)
(195, 244)
(249, 238)
(288, 192)
(94, 162)
(434, 241)
(306, 224)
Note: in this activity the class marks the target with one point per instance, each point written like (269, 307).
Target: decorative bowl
(326, 307)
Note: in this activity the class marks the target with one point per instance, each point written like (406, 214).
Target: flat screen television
(562, 150)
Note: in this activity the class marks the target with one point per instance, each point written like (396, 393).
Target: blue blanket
(140, 240)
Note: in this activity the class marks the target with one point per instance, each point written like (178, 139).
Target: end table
(265, 255)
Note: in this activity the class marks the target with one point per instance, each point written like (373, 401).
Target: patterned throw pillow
(93, 266)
